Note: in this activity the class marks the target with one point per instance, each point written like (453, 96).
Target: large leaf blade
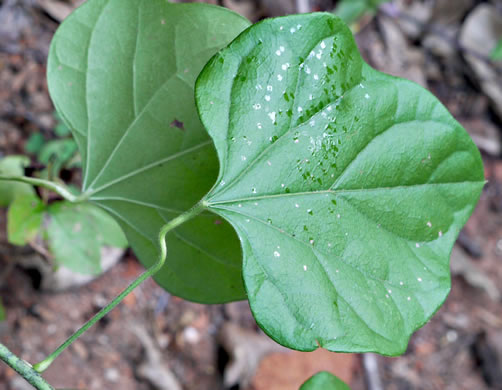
(347, 187)
(128, 99)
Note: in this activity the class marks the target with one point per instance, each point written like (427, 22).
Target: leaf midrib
(335, 192)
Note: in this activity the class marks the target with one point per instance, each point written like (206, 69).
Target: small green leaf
(324, 381)
(76, 233)
(61, 130)
(3, 314)
(13, 166)
(24, 219)
(128, 100)
(347, 187)
(57, 154)
(35, 143)
(497, 51)
(352, 10)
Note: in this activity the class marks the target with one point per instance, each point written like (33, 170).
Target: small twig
(303, 6)
(370, 365)
(24, 369)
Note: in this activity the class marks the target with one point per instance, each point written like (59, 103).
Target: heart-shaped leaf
(121, 74)
(347, 187)
(324, 381)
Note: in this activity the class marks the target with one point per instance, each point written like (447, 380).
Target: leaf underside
(347, 187)
(121, 74)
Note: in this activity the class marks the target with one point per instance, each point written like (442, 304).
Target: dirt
(461, 346)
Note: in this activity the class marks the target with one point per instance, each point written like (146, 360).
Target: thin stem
(197, 209)
(24, 369)
(55, 187)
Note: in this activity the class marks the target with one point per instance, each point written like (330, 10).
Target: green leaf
(3, 314)
(76, 233)
(13, 166)
(24, 219)
(61, 130)
(324, 381)
(347, 187)
(352, 10)
(121, 74)
(57, 154)
(35, 143)
(497, 51)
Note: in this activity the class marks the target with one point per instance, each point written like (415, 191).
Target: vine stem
(24, 369)
(55, 187)
(197, 209)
